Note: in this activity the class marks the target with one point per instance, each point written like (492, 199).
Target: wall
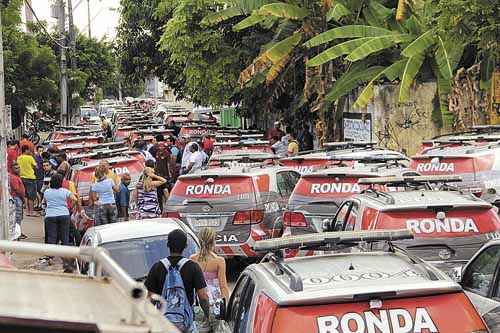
(402, 126)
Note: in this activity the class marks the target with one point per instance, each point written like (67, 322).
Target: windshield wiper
(198, 202)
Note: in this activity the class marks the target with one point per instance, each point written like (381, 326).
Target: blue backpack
(178, 310)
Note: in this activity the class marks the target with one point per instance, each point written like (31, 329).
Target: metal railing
(103, 261)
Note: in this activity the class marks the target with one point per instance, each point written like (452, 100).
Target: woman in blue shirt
(102, 194)
(57, 218)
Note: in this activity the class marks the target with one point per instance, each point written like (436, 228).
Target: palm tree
(409, 44)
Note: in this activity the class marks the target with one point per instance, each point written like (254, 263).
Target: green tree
(30, 68)
(139, 56)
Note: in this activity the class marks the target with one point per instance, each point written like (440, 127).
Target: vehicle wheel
(35, 138)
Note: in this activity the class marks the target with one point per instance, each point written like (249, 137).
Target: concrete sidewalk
(33, 227)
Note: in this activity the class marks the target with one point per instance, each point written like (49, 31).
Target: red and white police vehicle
(477, 164)
(318, 195)
(449, 226)
(242, 204)
(366, 291)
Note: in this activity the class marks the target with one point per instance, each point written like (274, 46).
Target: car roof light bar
(347, 144)
(331, 238)
(371, 158)
(410, 179)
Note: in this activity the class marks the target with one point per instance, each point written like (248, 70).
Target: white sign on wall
(357, 129)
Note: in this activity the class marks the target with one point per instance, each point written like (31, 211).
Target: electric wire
(43, 27)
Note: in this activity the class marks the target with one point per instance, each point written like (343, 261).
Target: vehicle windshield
(137, 256)
(89, 113)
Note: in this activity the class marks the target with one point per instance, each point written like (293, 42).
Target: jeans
(19, 210)
(105, 214)
(57, 229)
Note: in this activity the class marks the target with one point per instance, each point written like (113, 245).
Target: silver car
(137, 245)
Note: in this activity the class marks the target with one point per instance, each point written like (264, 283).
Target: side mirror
(220, 309)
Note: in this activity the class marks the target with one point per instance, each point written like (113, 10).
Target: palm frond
(284, 10)
(276, 69)
(420, 44)
(391, 72)
(270, 57)
(336, 51)
(337, 11)
(249, 21)
(376, 44)
(443, 59)
(220, 16)
(411, 69)
(349, 31)
(351, 80)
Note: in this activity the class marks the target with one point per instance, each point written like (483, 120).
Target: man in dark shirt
(191, 273)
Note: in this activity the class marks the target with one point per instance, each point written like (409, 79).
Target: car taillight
(248, 217)
(174, 215)
(294, 219)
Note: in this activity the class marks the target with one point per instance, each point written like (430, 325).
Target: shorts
(39, 185)
(30, 187)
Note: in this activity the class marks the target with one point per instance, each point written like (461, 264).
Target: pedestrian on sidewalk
(102, 196)
(190, 273)
(12, 153)
(122, 197)
(18, 194)
(27, 165)
(214, 271)
(26, 142)
(64, 165)
(57, 216)
(275, 131)
(39, 176)
(196, 159)
(146, 194)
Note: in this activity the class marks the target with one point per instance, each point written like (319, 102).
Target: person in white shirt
(186, 155)
(195, 160)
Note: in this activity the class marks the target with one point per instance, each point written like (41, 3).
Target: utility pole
(88, 17)
(4, 178)
(64, 83)
(72, 42)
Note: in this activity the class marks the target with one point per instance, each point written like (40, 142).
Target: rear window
(454, 223)
(442, 166)
(223, 190)
(428, 314)
(323, 188)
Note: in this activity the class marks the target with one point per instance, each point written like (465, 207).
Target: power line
(43, 27)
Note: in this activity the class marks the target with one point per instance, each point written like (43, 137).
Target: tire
(35, 138)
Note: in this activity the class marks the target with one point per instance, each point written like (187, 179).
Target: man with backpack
(177, 279)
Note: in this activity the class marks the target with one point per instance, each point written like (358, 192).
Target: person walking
(27, 165)
(146, 194)
(196, 159)
(162, 169)
(18, 193)
(102, 195)
(12, 153)
(122, 197)
(57, 217)
(214, 270)
(193, 282)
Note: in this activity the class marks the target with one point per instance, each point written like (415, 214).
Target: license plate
(205, 222)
